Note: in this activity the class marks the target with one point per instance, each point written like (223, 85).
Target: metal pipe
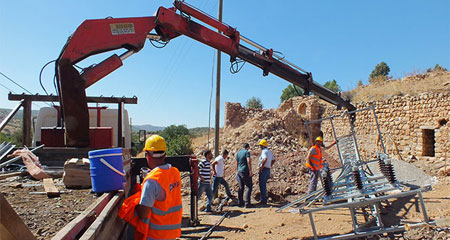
(279, 58)
(206, 235)
(366, 202)
(10, 115)
(422, 204)
(354, 138)
(254, 44)
(19, 157)
(379, 130)
(126, 54)
(313, 226)
(337, 144)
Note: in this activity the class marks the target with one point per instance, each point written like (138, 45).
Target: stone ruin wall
(415, 125)
(290, 116)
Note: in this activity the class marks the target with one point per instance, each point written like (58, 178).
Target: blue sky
(341, 40)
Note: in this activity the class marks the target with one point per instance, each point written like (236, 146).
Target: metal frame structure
(356, 185)
(26, 101)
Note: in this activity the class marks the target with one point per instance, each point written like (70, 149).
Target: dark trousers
(221, 180)
(244, 180)
(313, 181)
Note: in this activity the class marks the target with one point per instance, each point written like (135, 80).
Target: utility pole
(219, 62)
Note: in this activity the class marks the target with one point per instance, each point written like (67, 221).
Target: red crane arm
(98, 36)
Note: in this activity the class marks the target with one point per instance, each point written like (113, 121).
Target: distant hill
(4, 112)
(147, 127)
(200, 131)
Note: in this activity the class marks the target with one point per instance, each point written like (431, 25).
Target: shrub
(381, 69)
(333, 86)
(359, 84)
(289, 92)
(254, 103)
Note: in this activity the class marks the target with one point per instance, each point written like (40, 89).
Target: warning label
(122, 28)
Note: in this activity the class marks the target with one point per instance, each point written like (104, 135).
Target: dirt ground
(45, 216)
(265, 223)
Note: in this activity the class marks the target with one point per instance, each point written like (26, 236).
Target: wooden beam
(11, 225)
(53, 98)
(26, 123)
(108, 224)
(119, 124)
(78, 226)
(7, 175)
(50, 187)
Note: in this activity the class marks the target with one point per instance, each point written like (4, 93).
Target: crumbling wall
(413, 125)
(290, 117)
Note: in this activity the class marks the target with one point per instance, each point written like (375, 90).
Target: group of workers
(243, 176)
(155, 210)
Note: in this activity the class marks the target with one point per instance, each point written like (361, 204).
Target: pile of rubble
(284, 129)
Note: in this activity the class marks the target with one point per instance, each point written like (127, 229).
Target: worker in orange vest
(314, 161)
(155, 210)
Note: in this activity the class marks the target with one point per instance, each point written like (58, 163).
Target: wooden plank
(7, 175)
(107, 225)
(76, 227)
(11, 225)
(50, 187)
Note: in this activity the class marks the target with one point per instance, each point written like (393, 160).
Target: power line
(15, 83)
(36, 105)
(7, 88)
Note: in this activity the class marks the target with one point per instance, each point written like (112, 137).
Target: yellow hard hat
(319, 138)
(155, 143)
(263, 143)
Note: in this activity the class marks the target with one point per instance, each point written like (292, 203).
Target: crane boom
(102, 35)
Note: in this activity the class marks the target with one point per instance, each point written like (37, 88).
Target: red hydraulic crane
(98, 36)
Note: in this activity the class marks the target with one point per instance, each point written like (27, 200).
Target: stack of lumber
(77, 173)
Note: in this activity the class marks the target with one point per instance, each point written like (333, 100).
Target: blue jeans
(263, 177)
(205, 187)
(221, 180)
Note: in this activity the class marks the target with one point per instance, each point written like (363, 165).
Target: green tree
(180, 145)
(254, 103)
(173, 131)
(359, 84)
(289, 92)
(178, 140)
(333, 86)
(380, 72)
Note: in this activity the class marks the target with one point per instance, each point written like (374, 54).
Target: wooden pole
(217, 125)
(26, 124)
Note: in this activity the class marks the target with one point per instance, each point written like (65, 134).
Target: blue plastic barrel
(106, 170)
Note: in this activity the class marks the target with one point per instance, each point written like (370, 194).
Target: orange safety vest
(164, 218)
(316, 159)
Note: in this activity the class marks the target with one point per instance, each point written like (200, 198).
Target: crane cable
(211, 94)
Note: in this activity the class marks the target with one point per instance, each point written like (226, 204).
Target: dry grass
(412, 84)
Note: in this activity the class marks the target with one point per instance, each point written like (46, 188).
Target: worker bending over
(314, 161)
(155, 210)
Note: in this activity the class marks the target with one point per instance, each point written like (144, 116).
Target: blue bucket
(106, 170)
